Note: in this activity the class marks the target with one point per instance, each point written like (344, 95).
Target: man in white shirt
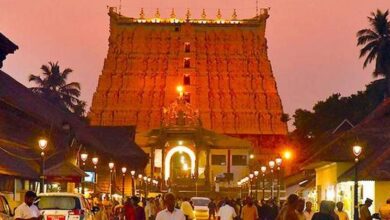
(27, 210)
(226, 212)
(308, 211)
(170, 213)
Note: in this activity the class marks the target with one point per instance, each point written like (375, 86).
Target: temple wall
(231, 80)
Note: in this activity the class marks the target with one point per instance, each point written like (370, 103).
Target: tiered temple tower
(222, 64)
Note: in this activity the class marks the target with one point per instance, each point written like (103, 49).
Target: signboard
(91, 176)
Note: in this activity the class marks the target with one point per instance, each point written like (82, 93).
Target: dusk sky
(312, 43)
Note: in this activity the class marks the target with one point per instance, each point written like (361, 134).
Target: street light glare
(111, 165)
(357, 150)
(84, 156)
(95, 160)
(124, 169)
(271, 164)
(287, 155)
(42, 143)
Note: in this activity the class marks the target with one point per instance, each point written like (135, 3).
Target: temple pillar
(207, 168)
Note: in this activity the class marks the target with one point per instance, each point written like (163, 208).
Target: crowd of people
(168, 207)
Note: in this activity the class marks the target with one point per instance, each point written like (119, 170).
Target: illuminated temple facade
(228, 97)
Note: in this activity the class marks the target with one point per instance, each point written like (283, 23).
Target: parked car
(5, 210)
(64, 206)
(201, 208)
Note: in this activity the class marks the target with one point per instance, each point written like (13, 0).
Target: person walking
(300, 208)
(128, 209)
(308, 210)
(365, 213)
(288, 212)
(27, 210)
(324, 213)
(170, 213)
(187, 209)
(340, 212)
(226, 212)
(212, 209)
(264, 210)
(384, 211)
(139, 211)
(249, 211)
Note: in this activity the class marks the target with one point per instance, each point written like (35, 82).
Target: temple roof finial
(142, 14)
(234, 16)
(203, 16)
(219, 15)
(173, 14)
(188, 14)
(157, 15)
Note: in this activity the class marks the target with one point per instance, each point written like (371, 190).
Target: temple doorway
(179, 163)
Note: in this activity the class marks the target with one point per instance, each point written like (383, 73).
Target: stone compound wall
(231, 80)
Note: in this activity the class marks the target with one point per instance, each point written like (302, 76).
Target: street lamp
(111, 166)
(357, 150)
(256, 173)
(250, 183)
(83, 157)
(42, 143)
(132, 182)
(278, 162)
(145, 178)
(263, 170)
(271, 165)
(140, 183)
(95, 161)
(124, 169)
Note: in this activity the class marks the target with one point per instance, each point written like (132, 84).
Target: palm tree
(53, 87)
(375, 42)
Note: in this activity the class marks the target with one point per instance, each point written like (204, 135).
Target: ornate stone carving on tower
(222, 64)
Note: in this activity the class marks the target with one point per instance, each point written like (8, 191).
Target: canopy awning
(64, 172)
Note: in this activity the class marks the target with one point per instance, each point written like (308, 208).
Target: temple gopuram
(202, 86)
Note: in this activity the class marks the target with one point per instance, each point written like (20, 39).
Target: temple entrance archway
(183, 150)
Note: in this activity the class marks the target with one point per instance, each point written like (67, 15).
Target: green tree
(328, 114)
(375, 42)
(53, 87)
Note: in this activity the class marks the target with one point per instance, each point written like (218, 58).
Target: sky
(312, 43)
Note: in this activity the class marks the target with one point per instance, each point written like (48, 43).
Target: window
(187, 47)
(187, 97)
(187, 80)
(187, 63)
(239, 160)
(59, 202)
(218, 160)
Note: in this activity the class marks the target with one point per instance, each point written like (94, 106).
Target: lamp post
(278, 162)
(83, 157)
(263, 170)
(148, 184)
(111, 166)
(256, 173)
(42, 143)
(95, 161)
(132, 182)
(239, 185)
(124, 169)
(250, 183)
(145, 178)
(357, 150)
(271, 165)
(140, 183)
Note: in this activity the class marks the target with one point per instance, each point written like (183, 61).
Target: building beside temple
(25, 118)
(329, 174)
(228, 105)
